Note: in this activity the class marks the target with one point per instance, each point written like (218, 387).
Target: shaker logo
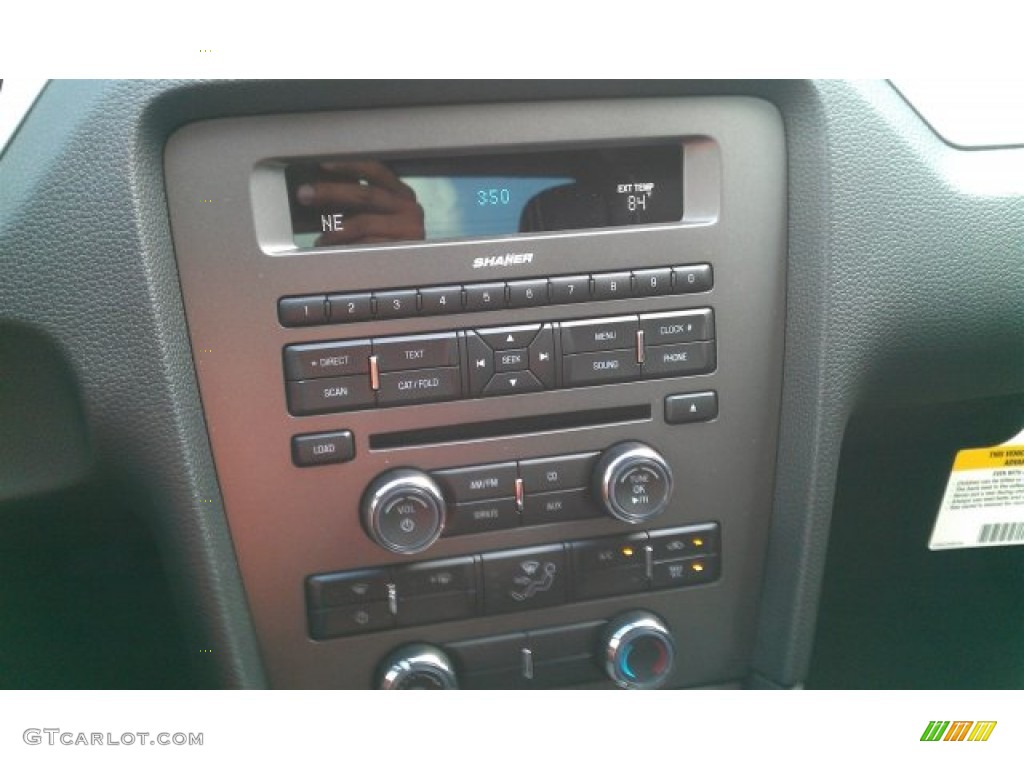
(508, 260)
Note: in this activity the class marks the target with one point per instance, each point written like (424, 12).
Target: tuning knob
(638, 650)
(404, 511)
(418, 666)
(633, 481)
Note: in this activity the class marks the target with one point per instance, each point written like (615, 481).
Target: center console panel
(520, 436)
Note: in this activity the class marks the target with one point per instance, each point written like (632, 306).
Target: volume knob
(404, 511)
(633, 481)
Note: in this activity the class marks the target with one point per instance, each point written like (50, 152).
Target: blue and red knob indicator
(639, 650)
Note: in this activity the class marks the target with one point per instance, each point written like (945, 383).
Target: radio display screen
(339, 202)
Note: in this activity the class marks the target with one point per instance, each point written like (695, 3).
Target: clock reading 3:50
(493, 196)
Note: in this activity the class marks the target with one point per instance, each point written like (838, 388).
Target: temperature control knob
(638, 650)
(633, 481)
(417, 667)
(404, 511)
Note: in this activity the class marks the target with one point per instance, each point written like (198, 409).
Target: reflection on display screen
(369, 201)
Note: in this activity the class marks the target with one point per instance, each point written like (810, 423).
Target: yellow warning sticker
(983, 505)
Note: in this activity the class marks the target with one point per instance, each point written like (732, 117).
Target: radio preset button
(679, 359)
(528, 293)
(692, 279)
(433, 350)
(652, 282)
(420, 386)
(569, 290)
(511, 360)
(302, 310)
(600, 367)
(612, 285)
(392, 304)
(512, 337)
(441, 301)
(323, 448)
(485, 296)
(675, 327)
(487, 481)
(600, 333)
(350, 307)
(342, 393)
(336, 358)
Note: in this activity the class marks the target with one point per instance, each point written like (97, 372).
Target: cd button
(557, 473)
(600, 333)
(422, 386)
(484, 296)
(435, 350)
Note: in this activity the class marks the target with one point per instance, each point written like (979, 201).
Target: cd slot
(483, 430)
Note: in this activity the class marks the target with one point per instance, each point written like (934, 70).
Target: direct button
(402, 353)
(322, 448)
(342, 393)
(423, 386)
(337, 358)
(488, 481)
(602, 333)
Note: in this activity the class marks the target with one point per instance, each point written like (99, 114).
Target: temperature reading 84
(636, 203)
